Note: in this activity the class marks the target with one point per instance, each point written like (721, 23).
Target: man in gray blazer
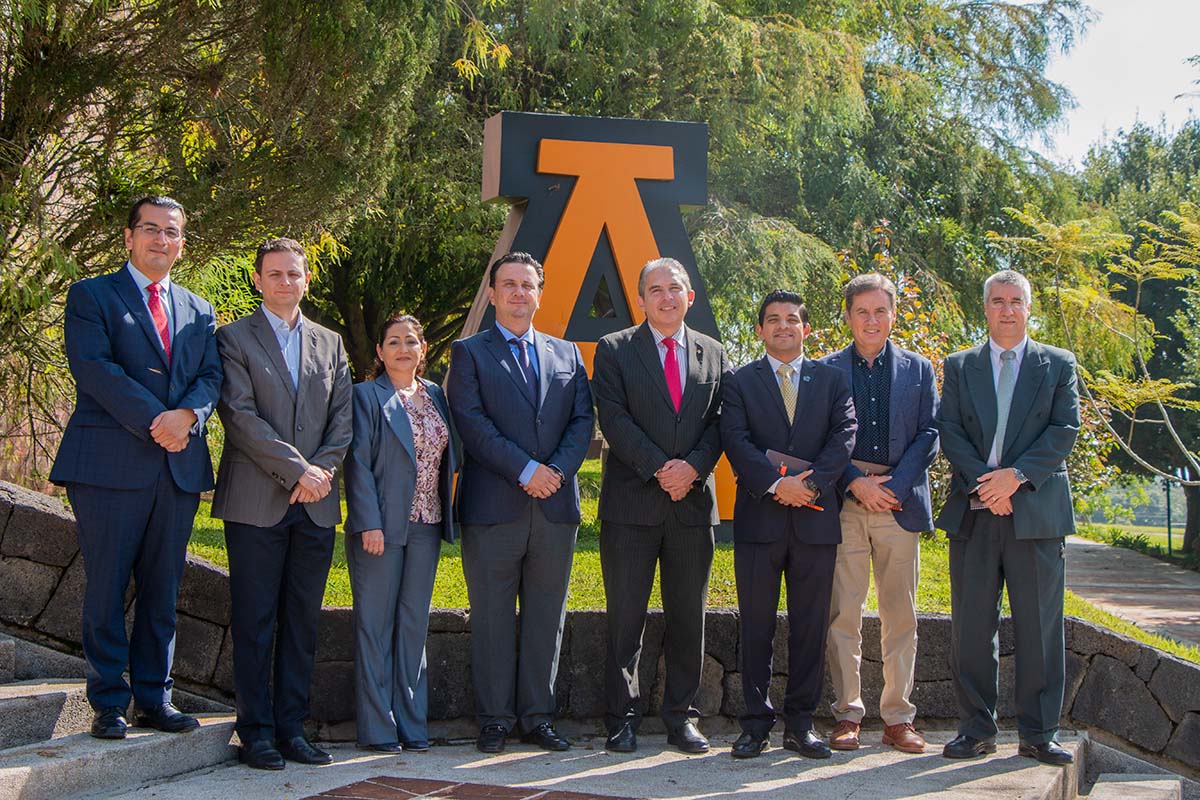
(285, 406)
(1008, 420)
(658, 396)
(523, 409)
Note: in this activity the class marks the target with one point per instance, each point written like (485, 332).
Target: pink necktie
(671, 372)
(159, 315)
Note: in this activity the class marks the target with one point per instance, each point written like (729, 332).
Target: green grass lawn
(587, 587)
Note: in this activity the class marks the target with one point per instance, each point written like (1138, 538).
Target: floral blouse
(430, 437)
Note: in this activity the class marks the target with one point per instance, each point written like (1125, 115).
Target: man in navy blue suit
(523, 408)
(134, 460)
(895, 399)
(785, 525)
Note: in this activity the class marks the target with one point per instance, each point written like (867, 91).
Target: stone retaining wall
(1147, 699)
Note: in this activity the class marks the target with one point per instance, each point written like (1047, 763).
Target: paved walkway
(657, 771)
(1154, 595)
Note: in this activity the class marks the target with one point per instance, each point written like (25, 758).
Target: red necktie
(671, 372)
(159, 315)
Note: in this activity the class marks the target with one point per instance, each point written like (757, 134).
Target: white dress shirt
(680, 337)
(289, 342)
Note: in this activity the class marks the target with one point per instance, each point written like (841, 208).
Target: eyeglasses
(152, 230)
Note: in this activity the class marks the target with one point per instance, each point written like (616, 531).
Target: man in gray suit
(1008, 420)
(285, 405)
(523, 410)
(658, 396)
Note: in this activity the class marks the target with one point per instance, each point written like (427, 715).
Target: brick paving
(386, 787)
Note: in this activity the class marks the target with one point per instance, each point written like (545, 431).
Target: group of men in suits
(831, 457)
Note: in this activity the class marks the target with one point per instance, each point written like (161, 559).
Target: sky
(1129, 66)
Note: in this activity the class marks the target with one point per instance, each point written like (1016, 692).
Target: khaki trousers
(874, 541)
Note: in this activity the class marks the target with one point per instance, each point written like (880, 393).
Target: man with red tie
(134, 459)
(658, 395)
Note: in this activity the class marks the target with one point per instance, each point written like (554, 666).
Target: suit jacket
(754, 420)
(643, 430)
(381, 468)
(273, 430)
(1042, 424)
(123, 381)
(501, 430)
(912, 436)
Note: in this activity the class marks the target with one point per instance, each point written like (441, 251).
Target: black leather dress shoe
(1048, 753)
(110, 724)
(807, 744)
(491, 739)
(545, 737)
(750, 745)
(260, 755)
(302, 751)
(622, 740)
(963, 746)
(166, 718)
(385, 747)
(416, 745)
(688, 739)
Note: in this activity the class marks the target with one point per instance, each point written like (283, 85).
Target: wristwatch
(811, 485)
(1020, 476)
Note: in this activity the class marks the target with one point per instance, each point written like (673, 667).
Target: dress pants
(529, 558)
(808, 570)
(981, 565)
(874, 542)
(628, 557)
(391, 619)
(277, 580)
(143, 533)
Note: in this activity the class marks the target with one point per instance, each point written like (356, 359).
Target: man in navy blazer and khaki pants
(134, 460)
(523, 410)
(785, 526)
(895, 399)
(1008, 420)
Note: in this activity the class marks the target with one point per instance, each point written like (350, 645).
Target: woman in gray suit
(399, 475)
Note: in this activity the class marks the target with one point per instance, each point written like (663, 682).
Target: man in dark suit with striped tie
(523, 409)
(1008, 420)
(658, 396)
(134, 459)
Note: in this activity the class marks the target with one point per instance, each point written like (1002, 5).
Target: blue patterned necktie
(531, 387)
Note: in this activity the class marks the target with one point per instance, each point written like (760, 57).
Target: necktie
(787, 389)
(1004, 394)
(159, 315)
(526, 369)
(671, 373)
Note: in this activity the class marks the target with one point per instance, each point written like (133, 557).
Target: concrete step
(79, 766)
(1126, 786)
(34, 711)
(655, 770)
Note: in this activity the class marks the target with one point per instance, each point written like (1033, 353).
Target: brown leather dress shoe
(845, 735)
(904, 737)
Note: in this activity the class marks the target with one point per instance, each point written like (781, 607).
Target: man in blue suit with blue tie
(523, 408)
(134, 460)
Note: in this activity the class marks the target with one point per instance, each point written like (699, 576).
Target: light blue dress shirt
(164, 293)
(289, 342)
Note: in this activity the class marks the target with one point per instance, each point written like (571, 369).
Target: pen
(783, 472)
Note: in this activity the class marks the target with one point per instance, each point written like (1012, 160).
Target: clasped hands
(996, 489)
(792, 491)
(313, 485)
(171, 429)
(543, 483)
(676, 478)
(872, 495)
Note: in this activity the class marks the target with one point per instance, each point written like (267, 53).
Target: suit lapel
(695, 370)
(762, 368)
(1034, 368)
(982, 388)
(806, 370)
(182, 314)
(504, 356)
(647, 351)
(266, 338)
(901, 378)
(395, 414)
(545, 364)
(129, 292)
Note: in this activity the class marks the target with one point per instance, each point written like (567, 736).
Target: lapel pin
(807, 378)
